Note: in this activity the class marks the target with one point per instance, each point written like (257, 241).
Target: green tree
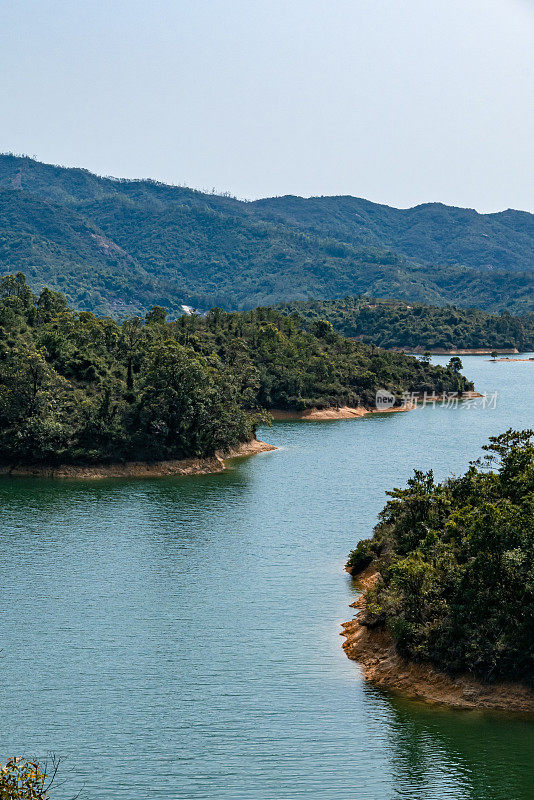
(15, 286)
(183, 409)
(50, 304)
(455, 364)
(130, 344)
(33, 400)
(156, 316)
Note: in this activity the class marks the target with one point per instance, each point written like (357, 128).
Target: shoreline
(375, 651)
(456, 351)
(353, 412)
(141, 469)
(508, 360)
(342, 412)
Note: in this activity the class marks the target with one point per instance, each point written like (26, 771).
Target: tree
(22, 780)
(130, 340)
(185, 408)
(322, 329)
(455, 364)
(494, 354)
(50, 304)
(16, 286)
(156, 316)
(33, 422)
(28, 384)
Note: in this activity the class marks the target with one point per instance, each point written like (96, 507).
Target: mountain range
(118, 246)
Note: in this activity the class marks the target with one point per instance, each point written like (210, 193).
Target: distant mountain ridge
(431, 233)
(121, 246)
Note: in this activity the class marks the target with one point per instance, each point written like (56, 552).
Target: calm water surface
(179, 638)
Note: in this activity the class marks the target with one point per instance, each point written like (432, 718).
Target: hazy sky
(399, 101)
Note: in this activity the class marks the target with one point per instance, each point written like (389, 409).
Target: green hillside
(431, 233)
(394, 324)
(116, 246)
(56, 246)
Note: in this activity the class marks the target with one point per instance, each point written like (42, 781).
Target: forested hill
(431, 233)
(121, 246)
(394, 324)
(78, 388)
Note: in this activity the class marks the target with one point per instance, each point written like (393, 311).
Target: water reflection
(178, 638)
(469, 754)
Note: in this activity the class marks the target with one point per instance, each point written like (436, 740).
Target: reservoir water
(179, 638)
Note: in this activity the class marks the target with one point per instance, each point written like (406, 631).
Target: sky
(398, 101)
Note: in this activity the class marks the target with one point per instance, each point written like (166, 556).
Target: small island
(447, 610)
(86, 396)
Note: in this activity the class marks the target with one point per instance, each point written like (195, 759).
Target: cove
(179, 637)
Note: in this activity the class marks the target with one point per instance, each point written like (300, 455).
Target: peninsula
(81, 391)
(447, 609)
(413, 327)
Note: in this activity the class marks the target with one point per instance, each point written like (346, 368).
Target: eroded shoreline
(342, 412)
(141, 469)
(374, 650)
(354, 412)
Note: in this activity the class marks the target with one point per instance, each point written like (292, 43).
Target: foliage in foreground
(21, 779)
(74, 387)
(456, 563)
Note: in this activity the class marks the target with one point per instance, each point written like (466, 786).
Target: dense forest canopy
(75, 387)
(394, 324)
(456, 564)
(120, 246)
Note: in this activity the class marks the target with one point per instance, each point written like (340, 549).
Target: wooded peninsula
(449, 584)
(395, 324)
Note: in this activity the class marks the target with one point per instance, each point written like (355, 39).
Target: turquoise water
(179, 638)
